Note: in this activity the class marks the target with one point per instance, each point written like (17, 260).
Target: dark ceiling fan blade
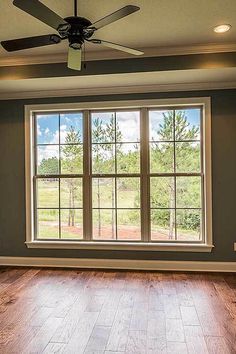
(74, 58)
(38, 10)
(117, 15)
(117, 46)
(30, 42)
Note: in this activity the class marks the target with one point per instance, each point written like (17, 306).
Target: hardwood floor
(75, 311)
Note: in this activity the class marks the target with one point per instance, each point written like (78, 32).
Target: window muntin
(174, 160)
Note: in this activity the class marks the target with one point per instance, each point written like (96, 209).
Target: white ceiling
(159, 23)
(119, 83)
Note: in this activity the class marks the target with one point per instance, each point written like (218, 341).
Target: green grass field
(128, 219)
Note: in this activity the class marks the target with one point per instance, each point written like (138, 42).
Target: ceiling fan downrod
(75, 8)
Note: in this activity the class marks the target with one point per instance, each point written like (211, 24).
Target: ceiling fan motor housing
(76, 34)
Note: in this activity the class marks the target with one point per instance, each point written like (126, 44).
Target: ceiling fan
(75, 29)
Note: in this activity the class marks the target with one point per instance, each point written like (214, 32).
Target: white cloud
(46, 152)
(55, 138)
(129, 125)
(39, 133)
(63, 133)
(66, 119)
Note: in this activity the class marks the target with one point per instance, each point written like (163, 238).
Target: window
(116, 175)
(134, 175)
(176, 175)
(59, 176)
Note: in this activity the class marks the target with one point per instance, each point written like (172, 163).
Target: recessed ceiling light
(222, 28)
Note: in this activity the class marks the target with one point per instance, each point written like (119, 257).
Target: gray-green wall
(12, 180)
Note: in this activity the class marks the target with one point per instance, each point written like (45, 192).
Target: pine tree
(164, 153)
(72, 163)
(104, 133)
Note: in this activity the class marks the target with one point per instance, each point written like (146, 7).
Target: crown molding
(111, 54)
(200, 86)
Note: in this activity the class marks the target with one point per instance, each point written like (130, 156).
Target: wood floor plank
(139, 316)
(195, 340)
(119, 333)
(109, 309)
(42, 338)
(230, 279)
(39, 317)
(99, 312)
(155, 283)
(176, 348)
(174, 330)
(155, 301)
(77, 282)
(10, 293)
(182, 289)
(9, 275)
(137, 342)
(21, 339)
(54, 348)
(156, 333)
(226, 323)
(189, 316)
(82, 333)
(171, 306)
(15, 312)
(227, 296)
(96, 303)
(15, 275)
(217, 345)
(167, 283)
(205, 311)
(98, 340)
(70, 323)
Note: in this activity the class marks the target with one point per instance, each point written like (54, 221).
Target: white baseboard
(119, 264)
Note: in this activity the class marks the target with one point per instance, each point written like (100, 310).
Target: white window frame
(207, 246)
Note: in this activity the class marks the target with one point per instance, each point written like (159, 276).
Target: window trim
(205, 102)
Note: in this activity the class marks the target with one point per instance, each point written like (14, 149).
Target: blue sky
(193, 115)
(48, 127)
(128, 122)
(156, 119)
(129, 125)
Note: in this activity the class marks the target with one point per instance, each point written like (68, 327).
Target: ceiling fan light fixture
(75, 45)
(75, 29)
(63, 29)
(222, 28)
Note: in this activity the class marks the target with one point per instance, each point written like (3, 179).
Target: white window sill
(136, 246)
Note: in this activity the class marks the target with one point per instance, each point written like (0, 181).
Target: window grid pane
(116, 200)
